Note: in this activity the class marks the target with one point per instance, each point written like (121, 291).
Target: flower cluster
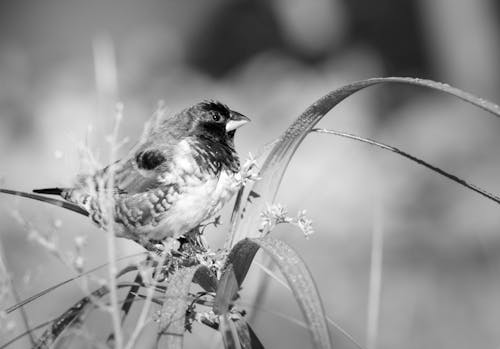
(278, 214)
(249, 172)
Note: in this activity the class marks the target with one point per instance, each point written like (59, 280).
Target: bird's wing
(143, 170)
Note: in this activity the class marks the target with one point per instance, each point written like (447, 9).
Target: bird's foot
(193, 242)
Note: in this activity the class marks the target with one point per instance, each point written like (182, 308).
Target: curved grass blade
(68, 318)
(173, 313)
(47, 290)
(398, 151)
(278, 159)
(303, 287)
(59, 203)
(25, 333)
(72, 316)
(296, 273)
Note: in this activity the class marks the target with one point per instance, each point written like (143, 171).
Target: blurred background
(270, 60)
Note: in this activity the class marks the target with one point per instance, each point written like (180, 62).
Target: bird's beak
(235, 121)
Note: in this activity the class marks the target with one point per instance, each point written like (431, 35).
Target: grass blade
(48, 290)
(303, 287)
(296, 273)
(69, 317)
(25, 333)
(274, 167)
(398, 151)
(59, 203)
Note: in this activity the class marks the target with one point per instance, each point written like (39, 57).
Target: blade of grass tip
(59, 203)
(278, 159)
(375, 281)
(47, 290)
(398, 151)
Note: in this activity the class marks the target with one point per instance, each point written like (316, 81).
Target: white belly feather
(200, 198)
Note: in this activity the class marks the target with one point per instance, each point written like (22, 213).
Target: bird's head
(214, 120)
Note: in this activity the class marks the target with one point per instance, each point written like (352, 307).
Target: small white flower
(304, 223)
(277, 214)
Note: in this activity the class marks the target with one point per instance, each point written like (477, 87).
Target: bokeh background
(270, 60)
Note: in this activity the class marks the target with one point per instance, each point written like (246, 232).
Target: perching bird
(180, 175)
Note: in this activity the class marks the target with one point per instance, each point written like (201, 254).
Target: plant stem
(375, 282)
(106, 84)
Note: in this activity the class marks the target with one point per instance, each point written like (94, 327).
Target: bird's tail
(49, 191)
(65, 204)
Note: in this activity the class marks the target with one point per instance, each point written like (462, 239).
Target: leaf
(234, 272)
(296, 273)
(277, 161)
(173, 313)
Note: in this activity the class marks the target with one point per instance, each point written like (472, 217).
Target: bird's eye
(215, 116)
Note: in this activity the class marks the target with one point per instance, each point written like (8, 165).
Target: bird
(178, 176)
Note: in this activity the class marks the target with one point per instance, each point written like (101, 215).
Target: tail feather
(65, 204)
(48, 191)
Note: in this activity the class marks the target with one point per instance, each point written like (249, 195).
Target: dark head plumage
(212, 120)
(216, 107)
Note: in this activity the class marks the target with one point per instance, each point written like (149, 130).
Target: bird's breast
(200, 192)
(198, 200)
